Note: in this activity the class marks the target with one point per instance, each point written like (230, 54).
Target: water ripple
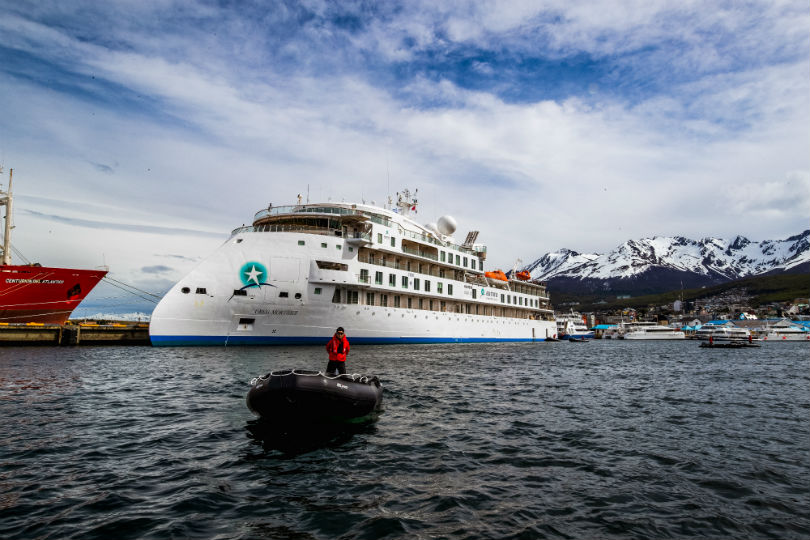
(609, 440)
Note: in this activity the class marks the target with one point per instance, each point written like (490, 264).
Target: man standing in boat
(338, 348)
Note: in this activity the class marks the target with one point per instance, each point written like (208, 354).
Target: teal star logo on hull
(253, 274)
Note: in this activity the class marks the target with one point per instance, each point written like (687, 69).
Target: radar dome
(432, 227)
(447, 225)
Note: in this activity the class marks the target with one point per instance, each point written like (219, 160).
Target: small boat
(729, 345)
(523, 275)
(295, 395)
(578, 340)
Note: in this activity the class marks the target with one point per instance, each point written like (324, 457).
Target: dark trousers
(335, 366)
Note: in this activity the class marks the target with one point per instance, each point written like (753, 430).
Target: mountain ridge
(650, 265)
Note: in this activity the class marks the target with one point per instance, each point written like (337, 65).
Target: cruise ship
(300, 271)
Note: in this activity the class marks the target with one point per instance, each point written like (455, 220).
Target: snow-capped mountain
(665, 262)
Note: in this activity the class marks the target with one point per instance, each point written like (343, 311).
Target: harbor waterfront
(610, 439)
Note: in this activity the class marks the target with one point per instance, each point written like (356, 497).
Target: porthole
(298, 296)
(185, 290)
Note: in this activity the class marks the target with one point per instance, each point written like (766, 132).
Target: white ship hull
(786, 336)
(278, 288)
(647, 335)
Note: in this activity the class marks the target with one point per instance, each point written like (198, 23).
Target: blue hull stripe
(182, 341)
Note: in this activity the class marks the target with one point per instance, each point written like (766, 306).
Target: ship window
(317, 290)
(458, 260)
(247, 321)
(379, 238)
(364, 276)
(450, 288)
(410, 302)
(338, 246)
(298, 296)
(442, 256)
(404, 282)
(323, 244)
(238, 240)
(352, 297)
(427, 286)
(392, 280)
(301, 242)
(393, 242)
(378, 278)
(200, 290)
(396, 301)
(239, 292)
(416, 284)
(421, 303)
(370, 299)
(465, 261)
(439, 287)
(502, 299)
(283, 294)
(185, 290)
(336, 297)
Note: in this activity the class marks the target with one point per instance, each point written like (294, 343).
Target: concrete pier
(75, 333)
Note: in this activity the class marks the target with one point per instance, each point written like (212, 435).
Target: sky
(141, 132)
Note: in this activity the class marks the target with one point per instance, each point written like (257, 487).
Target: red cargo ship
(34, 293)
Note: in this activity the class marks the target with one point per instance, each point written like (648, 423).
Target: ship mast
(5, 199)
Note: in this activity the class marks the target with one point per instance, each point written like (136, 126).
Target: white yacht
(572, 325)
(722, 332)
(783, 330)
(652, 330)
(300, 271)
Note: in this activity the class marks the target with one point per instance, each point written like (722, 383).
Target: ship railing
(287, 227)
(304, 209)
(435, 241)
(420, 253)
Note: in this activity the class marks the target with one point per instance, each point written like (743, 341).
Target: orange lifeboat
(497, 274)
(524, 275)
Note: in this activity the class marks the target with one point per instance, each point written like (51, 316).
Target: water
(603, 439)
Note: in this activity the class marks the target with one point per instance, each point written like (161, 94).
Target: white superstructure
(301, 271)
(652, 330)
(783, 330)
(572, 325)
(722, 332)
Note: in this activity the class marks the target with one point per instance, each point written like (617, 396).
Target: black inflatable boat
(294, 394)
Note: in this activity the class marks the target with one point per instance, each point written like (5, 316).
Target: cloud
(161, 122)
(151, 229)
(156, 269)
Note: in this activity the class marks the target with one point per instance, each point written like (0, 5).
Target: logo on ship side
(253, 274)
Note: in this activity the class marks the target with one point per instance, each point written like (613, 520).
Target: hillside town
(732, 307)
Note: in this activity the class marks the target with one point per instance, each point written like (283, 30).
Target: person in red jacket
(338, 348)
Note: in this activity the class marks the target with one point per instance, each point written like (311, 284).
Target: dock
(75, 333)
